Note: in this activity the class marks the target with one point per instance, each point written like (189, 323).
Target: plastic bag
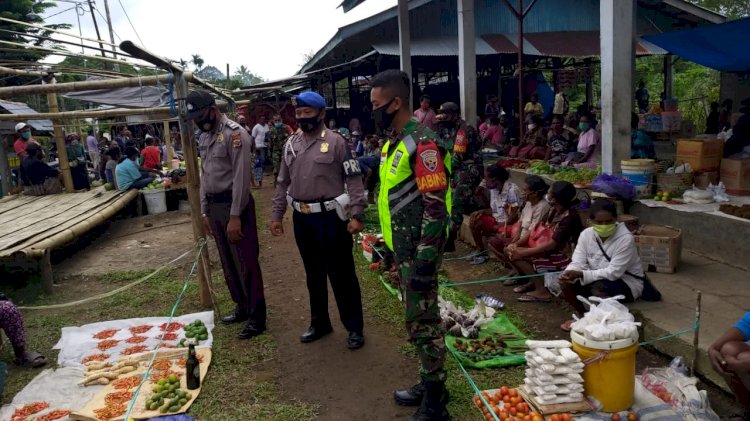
(614, 186)
(552, 283)
(719, 191)
(606, 320)
(674, 387)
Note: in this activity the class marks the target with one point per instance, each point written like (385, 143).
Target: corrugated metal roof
(439, 18)
(348, 5)
(21, 108)
(438, 46)
(579, 44)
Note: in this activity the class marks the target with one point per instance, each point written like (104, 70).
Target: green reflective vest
(398, 185)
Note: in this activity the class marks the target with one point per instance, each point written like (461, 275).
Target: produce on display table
(167, 396)
(540, 168)
(461, 323)
(489, 347)
(507, 404)
(579, 176)
(101, 372)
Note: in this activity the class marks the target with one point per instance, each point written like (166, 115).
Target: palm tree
(183, 63)
(243, 75)
(197, 61)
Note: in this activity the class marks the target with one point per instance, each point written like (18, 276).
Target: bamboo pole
(168, 143)
(193, 189)
(37, 250)
(62, 154)
(155, 113)
(89, 85)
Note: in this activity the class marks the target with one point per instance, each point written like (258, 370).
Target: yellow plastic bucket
(610, 379)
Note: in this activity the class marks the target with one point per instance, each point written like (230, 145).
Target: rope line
(201, 245)
(474, 386)
(484, 281)
(695, 327)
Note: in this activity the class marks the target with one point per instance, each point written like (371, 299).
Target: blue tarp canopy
(721, 47)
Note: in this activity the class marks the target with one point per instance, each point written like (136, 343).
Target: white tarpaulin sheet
(57, 387)
(78, 342)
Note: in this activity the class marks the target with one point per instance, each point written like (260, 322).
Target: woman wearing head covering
(77, 162)
(534, 210)
(547, 249)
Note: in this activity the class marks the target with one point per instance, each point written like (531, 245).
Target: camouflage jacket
(466, 149)
(277, 137)
(419, 228)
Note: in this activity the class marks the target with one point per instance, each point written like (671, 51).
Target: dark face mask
(207, 123)
(449, 124)
(308, 124)
(383, 116)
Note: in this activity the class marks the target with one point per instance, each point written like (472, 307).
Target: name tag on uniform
(396, 160)
(220, 138)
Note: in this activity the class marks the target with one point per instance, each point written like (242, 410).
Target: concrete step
(725, 299)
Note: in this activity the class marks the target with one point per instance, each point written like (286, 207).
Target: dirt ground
(347, 385)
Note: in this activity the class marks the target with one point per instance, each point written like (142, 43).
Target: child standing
(259, 170)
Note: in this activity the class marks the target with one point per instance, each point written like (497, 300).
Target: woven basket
(675, 184)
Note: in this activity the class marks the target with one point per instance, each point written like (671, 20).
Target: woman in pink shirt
(494, 133)
(425, 115)
(588, 145)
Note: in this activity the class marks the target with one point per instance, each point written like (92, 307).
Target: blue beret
(309, 99)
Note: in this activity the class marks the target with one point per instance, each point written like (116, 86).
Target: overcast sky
(270, 37)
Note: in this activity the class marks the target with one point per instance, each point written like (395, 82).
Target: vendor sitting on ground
(535, 208)
(534, 145)
(113, 157)
(504, 200)
(589, 149)
(129, 174)
(38, 178)
(605, 262)
(11, 322)
(559, 142)
(641, 144)
(730, 357)
(548, 246)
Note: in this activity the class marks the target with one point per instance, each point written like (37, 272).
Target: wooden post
(696, 333)
(45, 269)
(168, 143)
(62, 154)
(190, 153)
(4, 168)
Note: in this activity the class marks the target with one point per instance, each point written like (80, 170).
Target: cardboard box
(702, 155)
(660, 247)
(735, 174)
(703, 179)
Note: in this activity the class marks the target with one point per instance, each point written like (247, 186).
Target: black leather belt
(223, 197)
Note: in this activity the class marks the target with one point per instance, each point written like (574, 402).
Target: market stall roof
(434, 20)
(721, 47)
(135, 97)
(578, 44)
(21, 108)
(438, 46)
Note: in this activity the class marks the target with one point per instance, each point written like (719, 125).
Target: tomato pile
(506, 404)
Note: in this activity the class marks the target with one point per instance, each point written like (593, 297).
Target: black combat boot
(411, 396)
(433, 405)
(450, 243)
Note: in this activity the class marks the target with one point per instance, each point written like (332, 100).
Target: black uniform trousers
(239, 260)
(326, 249)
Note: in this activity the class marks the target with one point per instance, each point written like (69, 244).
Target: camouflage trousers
(463, 204)
(276, 159)
(422, 314)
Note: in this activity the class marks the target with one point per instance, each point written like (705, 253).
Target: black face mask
(449, 124)
(206, 124)
(308, 124)
(383, 116)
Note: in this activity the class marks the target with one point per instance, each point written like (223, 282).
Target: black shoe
(315, 333)
(433, 404)
(411, 396)
(450, 243)
(355, 340)
(238, 316)
(251, 330)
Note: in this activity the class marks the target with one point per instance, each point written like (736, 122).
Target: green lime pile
(196, 330)
(154, 185)
(168, 397)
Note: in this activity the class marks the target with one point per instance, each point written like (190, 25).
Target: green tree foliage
(733, 9)
(28, 11)
(245, 77)
(197, 61)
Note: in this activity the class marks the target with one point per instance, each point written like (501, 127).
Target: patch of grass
(241, 383)
(386, 308)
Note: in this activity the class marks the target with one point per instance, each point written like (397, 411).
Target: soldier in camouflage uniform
(414, 209)
(279, 133)
(467, 169)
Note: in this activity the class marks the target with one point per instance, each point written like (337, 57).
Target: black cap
(32, 148)
(197, 101)
(450, 108)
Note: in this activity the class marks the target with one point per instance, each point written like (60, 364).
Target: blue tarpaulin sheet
(721, 47)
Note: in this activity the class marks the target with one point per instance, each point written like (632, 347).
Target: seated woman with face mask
(605, 262)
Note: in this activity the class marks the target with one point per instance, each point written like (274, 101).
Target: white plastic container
(156, 201)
